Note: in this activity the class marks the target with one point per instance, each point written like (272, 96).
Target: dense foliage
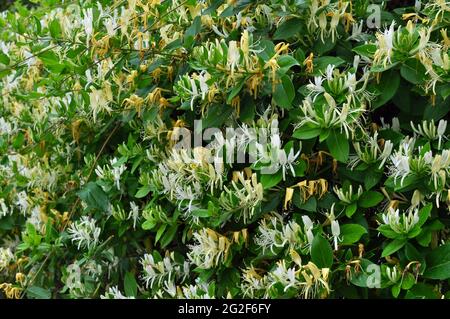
(348, 196)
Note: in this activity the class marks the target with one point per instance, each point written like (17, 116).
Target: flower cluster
(225, 149)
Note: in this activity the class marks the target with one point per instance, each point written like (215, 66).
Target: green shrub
(190, 149)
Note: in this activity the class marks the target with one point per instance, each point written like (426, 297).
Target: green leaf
(160, 231)
(422, 291)
(424, 214)
(413, 255)
(202, 213)
(395, 289)
(235, 91)
(130, 285)
(371, 178)
(408, 281)
(367, 50)
(393, 246)
(306, 132)
(55, 29)
(387, 232)
(4, 59)
(143, 191)
(271, 180)
(338, 145)
(284, 92)
(192, 31)
(387, 87)
(413, 71)
(286, 62)
(216, 115)
(438, 263)
(370, 199)
(288, 29)
(321, 63)
(148, 225)
(4, 73)
(351, 209)
(94, 196)
(36, 292)
(351, 233)
(310, 205)
(321, 252)
(169, 235)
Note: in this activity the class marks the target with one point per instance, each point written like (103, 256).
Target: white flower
(22, 202)
(335, 231)
(114, 293)
(442, 126)
(6, 257)
(287, 161)
(4, 210)
(35, 218)
(308, 226)
(111, 26)
(99, 102)
(400, 224)
(5, 127)
(84, 232)
(117, 172)
(210, 249)
(88, 17)
(134, 213)
(165, 271)
(386, 42)
(243, 198)
(273, 233)
(73, 279)
(204, 88)
(233, 56)
(393, 274)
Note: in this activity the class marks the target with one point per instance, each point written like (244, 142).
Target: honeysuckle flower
(88, 17)
(442, 126)
(385, 45)
(274, 233)
(134, 213)
(211, 249)
(111, 24)
(243, 198)
(346, 195)
(286, 161)
(336, 231)
(6, 257)
(197, 291)
(22, 202)
(308, 226)
(357, 34)
(73, 279)
(400, 224)
(114, 293)
(99, 101)
(393, 274)
(4, 210)
(70, 74)
(117, 172)
(163, 272)
(430, 131)
(370, 152)
(233, 56)
(84, 233)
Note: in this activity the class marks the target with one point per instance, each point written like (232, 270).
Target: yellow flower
(309, 63)
(134, 101)
(288, 197)
(10, 291)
